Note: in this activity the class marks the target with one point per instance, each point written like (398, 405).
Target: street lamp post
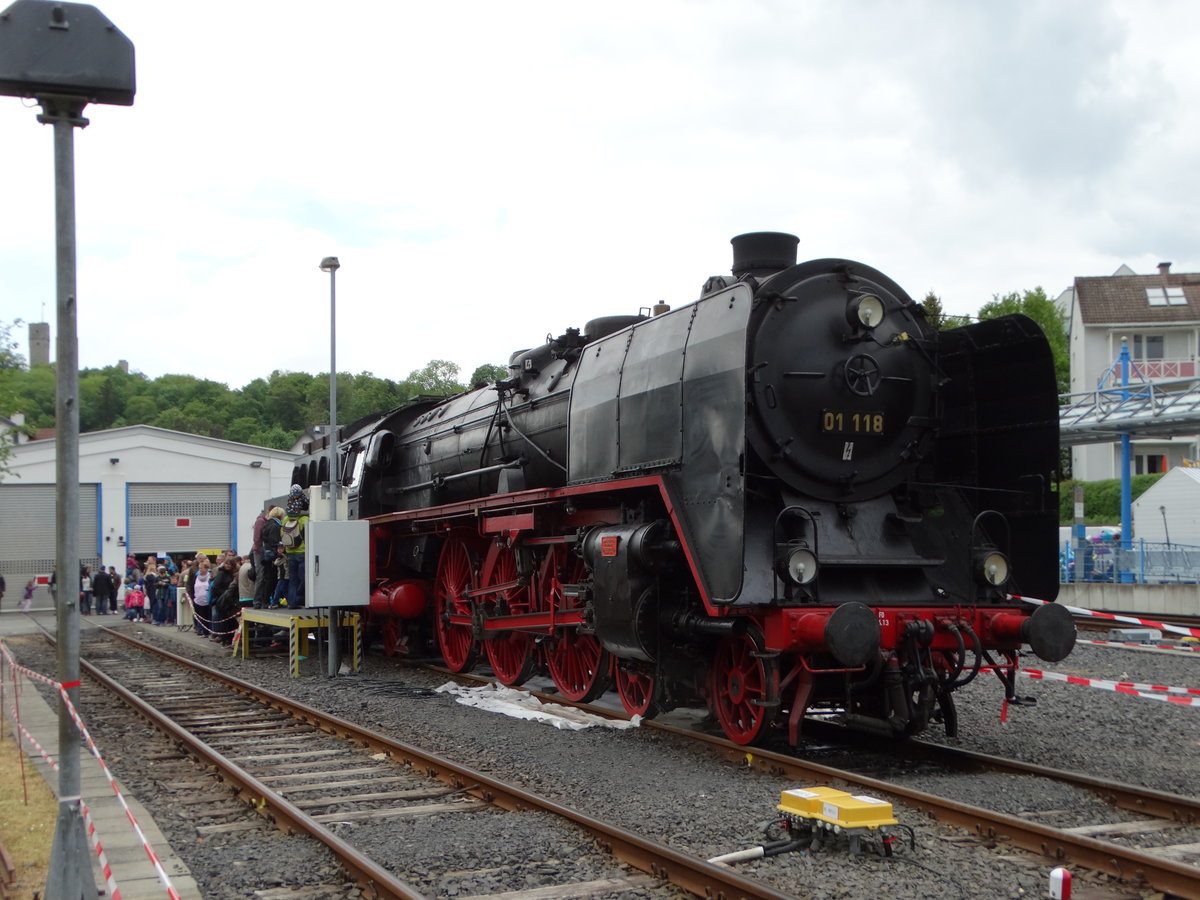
(65, 56)
(330, 264)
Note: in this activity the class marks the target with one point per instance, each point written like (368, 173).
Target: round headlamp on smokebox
(865, 311)
(991, 568)
(798, 565)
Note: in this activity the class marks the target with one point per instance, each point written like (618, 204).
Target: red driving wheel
(578, 663)
(638, 689)
(455, 576)
(512, 654)
(743, 685)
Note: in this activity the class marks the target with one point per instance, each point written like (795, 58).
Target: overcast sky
(491, 172)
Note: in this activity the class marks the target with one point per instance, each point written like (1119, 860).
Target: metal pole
(1080, 535)
(330, 264)
(70, 873)
(1125, 575)
(333, 454)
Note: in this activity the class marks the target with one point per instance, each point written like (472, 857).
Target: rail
(659, 860)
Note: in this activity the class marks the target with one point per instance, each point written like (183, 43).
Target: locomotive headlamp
(801, 565)
(991, 567)
(866, 310)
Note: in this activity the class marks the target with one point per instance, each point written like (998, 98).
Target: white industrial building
(141, 490)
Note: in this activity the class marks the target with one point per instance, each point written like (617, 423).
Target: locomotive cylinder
(405, 599)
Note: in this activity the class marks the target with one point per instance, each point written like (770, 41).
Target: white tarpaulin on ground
(523, 705)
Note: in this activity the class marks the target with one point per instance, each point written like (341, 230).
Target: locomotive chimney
(763, 252)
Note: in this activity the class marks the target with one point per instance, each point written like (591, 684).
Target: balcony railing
(1151, 369)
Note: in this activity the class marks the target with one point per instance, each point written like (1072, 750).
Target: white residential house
(1159, 316)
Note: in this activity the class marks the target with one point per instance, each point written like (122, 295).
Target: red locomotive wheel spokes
(741, 681)
(639, 690)
(578, 663)
(455, 576)
(512, 654)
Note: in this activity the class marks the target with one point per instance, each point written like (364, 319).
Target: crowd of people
(204, 592)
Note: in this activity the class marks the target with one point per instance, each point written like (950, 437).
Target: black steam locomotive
(791, 495)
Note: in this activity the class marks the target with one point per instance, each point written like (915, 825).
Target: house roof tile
(1121, 299)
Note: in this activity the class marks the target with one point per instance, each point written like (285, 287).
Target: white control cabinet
(336, 563)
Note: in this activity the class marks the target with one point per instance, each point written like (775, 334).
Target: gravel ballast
(678, 793)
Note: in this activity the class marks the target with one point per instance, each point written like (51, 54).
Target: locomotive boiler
(792, 495)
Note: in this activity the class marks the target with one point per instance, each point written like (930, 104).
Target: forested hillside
(268, 412)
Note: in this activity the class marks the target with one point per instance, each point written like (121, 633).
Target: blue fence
(1145, 563)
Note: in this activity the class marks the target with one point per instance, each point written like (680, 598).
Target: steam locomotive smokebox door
(337, 563)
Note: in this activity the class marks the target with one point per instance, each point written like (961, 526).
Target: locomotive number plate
(837, 421)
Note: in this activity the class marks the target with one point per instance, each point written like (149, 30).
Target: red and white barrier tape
(1157, 648)
(95, 751)
(1177, 695)
(110, 881)
(1128, 620)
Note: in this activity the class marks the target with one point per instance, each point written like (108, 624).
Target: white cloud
(488, 173)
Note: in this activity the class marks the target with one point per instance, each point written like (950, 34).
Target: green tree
(1042, 310)
(369, 395)
(488, 374)
(269, 412)
(32, 392)
(1101, 499)
(9, 357)
(438, 376)
(937, 317)
(287, 395)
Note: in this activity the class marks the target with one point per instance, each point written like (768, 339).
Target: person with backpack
(292, 537)
(267, 576)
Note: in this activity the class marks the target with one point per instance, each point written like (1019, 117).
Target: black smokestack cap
(763, 252)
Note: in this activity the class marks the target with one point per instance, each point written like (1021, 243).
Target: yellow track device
(828, 809)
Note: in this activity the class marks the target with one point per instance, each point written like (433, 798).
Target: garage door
(178, 518)
(27, 532)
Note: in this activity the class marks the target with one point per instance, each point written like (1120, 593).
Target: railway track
(291, 764)
(1047, 845)
(1092, 624)
(1091, 846)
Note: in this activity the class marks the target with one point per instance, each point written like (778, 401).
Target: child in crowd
(27, 598)
(279, 596)
(135, 603)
